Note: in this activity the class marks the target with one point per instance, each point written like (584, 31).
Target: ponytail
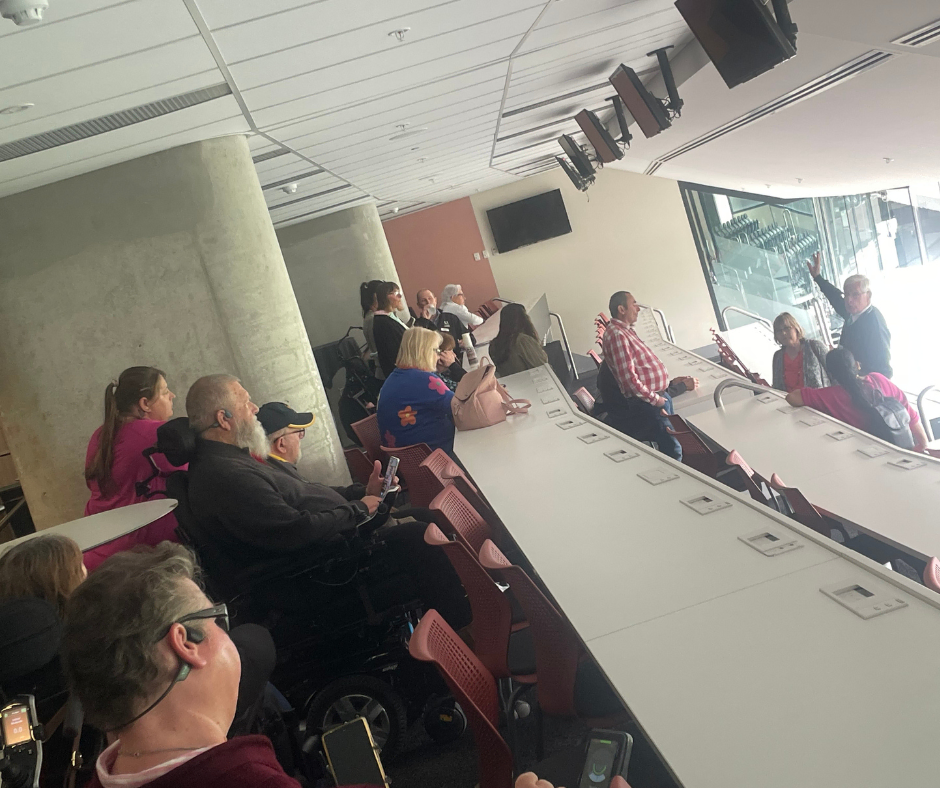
(842, 368)
(367, 295)
(120, 399)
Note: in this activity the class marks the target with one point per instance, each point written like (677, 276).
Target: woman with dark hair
(367, 301)
(387, 328)
(516, 347)
(851, 399)
(800, 361)
(134, 407)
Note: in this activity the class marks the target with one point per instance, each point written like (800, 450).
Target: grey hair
(857, 279)
(206, 397)
(447, 295)
(113, 623)
(275, 435)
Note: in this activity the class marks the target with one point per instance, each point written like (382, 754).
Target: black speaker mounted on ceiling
(606, 147)
(647, 110)
(581, 184)
(578, 157)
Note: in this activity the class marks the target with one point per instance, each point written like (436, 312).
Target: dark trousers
(645, 422)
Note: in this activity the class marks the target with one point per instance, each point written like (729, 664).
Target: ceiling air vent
(92, 128)
(920, 37)
(271, 154)
(654, 166)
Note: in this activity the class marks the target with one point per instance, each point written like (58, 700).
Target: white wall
(629, 232)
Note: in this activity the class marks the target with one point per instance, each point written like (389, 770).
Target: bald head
(206, 397)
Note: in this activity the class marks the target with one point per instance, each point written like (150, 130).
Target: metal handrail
(564, 339)
(662, 316)
(741, 384)
(503, 300)
(920, 409)
(821, 320)
(744, 312)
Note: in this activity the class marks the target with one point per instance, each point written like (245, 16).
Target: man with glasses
(865, 332)
(150, 658)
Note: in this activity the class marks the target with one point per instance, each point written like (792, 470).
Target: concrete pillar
(343, 249)
(169, 260)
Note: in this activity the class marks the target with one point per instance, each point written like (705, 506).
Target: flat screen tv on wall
(529, 221)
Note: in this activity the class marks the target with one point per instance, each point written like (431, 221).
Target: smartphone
(607, 754)
(389, 476)
(352, 756)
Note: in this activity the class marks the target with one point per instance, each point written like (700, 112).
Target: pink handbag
(480, 401)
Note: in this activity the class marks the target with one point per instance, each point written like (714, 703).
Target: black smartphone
(352, 756)
(607, 754)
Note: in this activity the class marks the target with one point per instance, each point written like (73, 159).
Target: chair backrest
(461, 518)
(603, 318)
(369, 436)
(420, 482)
(585, 400)
(932, 575)
(491, 611)
(805, 513)
(557, 650)
(597, 359)
(444, 469)
(695, 453)
(360, 467)
(474, 688)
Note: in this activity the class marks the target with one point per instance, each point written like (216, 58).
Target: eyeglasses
(301, 433)
(438, 351)
(219, 613)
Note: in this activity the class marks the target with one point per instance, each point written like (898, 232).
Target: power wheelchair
(340, 617)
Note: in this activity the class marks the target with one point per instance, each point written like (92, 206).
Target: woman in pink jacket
(134, 407)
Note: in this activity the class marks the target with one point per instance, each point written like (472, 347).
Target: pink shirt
(129, 467)
(837, 402)
(637, 370)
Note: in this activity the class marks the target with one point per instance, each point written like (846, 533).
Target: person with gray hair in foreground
(865, 332)
(150, 658)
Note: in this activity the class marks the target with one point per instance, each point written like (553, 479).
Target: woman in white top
(454, 301)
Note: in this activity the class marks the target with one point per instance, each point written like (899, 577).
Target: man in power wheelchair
(337, 584)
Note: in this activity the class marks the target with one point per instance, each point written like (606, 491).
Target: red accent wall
(435, 247)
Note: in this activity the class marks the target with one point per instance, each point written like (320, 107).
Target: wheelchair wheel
(361, 696)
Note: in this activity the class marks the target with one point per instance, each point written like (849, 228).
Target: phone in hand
(389, 477)
(352, 756)
(607, 754)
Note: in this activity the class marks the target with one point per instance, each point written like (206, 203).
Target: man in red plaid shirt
(642, 379)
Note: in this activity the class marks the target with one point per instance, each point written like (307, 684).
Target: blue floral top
(414, 407)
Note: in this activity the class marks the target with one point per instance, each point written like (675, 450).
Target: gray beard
(250, 435)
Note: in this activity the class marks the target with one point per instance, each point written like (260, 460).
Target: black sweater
(387, 333)
(868, 337)
(252, 511)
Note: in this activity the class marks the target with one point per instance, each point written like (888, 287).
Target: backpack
(890, 420)
(480, 401)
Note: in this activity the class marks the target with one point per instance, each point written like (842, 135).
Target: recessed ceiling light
(399, 34)
(13, 109)
(402, 134)
(422, 159)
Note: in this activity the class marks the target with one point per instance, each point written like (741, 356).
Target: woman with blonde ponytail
(135, 405)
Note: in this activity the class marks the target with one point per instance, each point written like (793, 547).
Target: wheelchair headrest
(348, 348)
(176, 441)
(30, 635)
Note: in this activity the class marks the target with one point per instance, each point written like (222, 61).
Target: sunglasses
(219, 613)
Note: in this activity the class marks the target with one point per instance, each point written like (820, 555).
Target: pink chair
(932, 575)
(419, 481)
(597, 359)
(474, 688)
(585, 400)
(444, 469)
(570, 684)
(460, 518)
(369, 436)
(360, 468)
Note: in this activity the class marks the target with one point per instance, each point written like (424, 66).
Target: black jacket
(251, 511)
(868, 337)
(387, 333)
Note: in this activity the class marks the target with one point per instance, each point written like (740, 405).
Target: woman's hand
(448, 357)
(795, 398)
(814, 266)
